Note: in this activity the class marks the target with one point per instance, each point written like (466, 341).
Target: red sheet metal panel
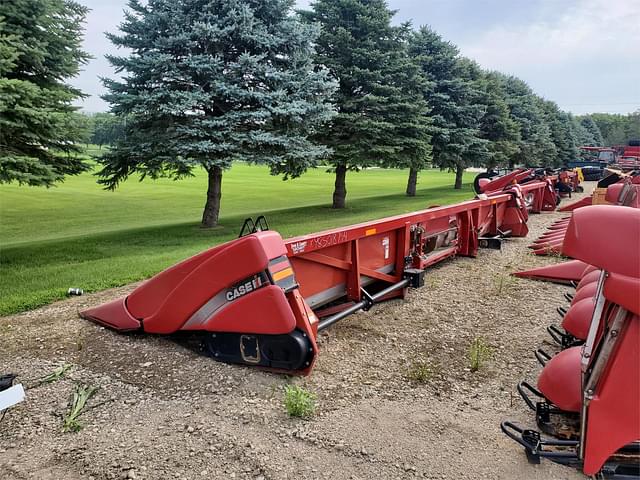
(337, 262)
(606, 236)
(614, 413)
(560, 380)
(578, 318)
(564, 272)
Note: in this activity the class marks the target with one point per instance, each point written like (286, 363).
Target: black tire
(476, 181)
(609, 180)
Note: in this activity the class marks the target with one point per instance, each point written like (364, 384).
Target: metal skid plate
(291, 351)
(494, 243)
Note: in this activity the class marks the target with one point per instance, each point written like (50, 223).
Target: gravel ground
(163, 410)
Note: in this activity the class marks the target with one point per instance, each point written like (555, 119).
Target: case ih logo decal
(298, 247)
(244, 287)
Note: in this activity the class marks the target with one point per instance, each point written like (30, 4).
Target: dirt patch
(166, 411)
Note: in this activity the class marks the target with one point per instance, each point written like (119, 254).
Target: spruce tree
(209, 82)
(40, 50)
(454, 102)
(496, 124)
(107, 128)
(591, 126)
(617, 129)
(535, 147)
(561, 133)
(381, 116)
(409, 114)
(632, 126)
(582, 135)
(568, 149)
(610, 126)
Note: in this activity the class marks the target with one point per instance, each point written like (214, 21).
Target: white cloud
(584, 31)
(584, 55)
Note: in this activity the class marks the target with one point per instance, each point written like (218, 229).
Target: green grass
(479, 353)
(421, 371)
(71, 420)
(78, 235)
(299, 402)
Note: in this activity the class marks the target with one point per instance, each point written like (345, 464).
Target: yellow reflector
(371, 231)
(282, 274)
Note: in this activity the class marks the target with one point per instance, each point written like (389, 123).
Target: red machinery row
(260, 300)
(626, 157)
(620, 189)
(587, 400)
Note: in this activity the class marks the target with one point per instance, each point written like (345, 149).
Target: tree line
(209, 82)
(615, 129)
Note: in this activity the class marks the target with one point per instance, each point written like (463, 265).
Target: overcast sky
(582, 54)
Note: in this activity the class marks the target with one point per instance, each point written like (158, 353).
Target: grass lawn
(78, 235)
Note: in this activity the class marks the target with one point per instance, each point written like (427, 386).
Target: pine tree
(496, 124)
(39, 51)
(475, 104)
(381, 120)
(591, 127)
(561, 133)
(409, 113)
(454, 103)
(582, 135)
(632, 126)
(107, 128)
(569, 151)
(611, 127)
(535, 147)
(209, 82)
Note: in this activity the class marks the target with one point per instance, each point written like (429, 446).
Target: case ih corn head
(616, 189)
(587, 400)
(260, 300)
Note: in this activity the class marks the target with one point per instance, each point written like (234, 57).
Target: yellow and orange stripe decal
(287, 272)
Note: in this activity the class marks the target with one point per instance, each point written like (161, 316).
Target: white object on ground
(11, 396)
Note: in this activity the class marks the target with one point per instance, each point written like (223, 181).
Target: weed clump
(479, 353)
(504, 284)
(299, 402)
(420, 371)
(71, 422)
(58, 373)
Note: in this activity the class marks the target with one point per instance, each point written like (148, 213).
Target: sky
(582, 54)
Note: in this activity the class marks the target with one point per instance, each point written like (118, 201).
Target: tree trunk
(413, 182)
(340, 188)
(459, 172)
(214, 192)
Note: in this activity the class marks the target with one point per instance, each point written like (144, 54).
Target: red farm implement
(587, 400)
(616, 189)
(629, 159)
(260, 300)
